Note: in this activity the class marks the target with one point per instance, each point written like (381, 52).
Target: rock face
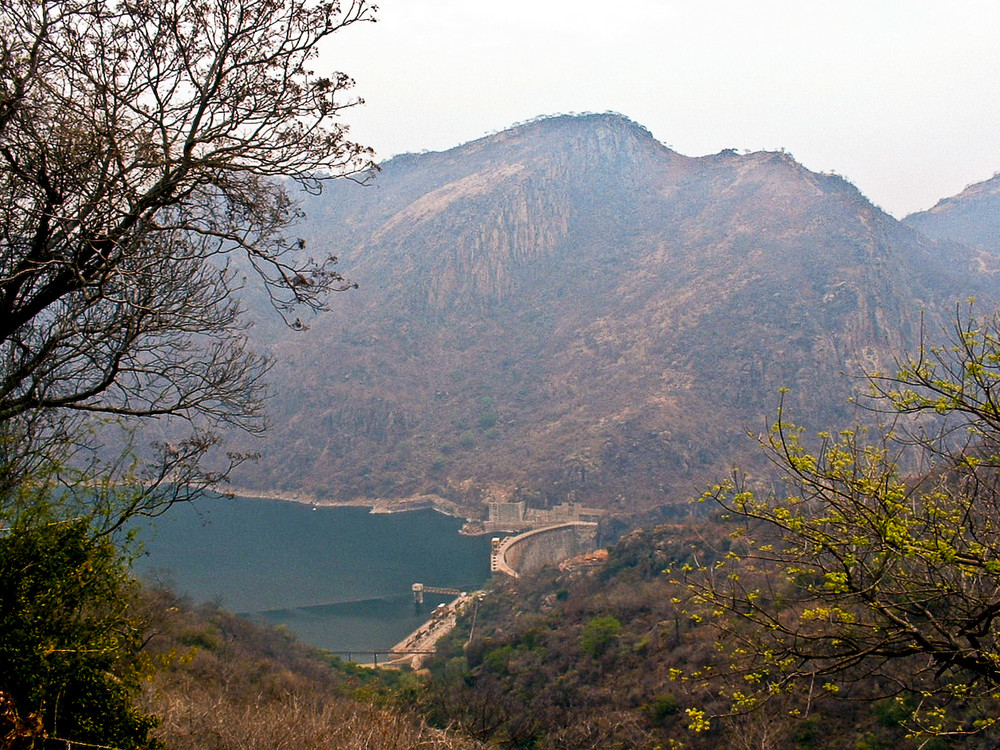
(569, 310)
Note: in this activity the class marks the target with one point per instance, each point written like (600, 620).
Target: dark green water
(339, 578)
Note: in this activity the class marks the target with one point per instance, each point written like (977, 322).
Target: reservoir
(338, 577)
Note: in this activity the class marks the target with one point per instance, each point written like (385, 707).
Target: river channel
(338, 577)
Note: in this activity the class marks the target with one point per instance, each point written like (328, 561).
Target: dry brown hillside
(571, 310)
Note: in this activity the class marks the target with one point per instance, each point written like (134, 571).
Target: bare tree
(148, 150)
(148, 153)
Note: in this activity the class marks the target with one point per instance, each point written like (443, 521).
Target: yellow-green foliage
(849, 568)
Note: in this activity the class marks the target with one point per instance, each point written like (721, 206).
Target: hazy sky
(902, 97)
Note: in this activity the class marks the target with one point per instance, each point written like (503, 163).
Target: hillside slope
(971, 218)
(570, 310)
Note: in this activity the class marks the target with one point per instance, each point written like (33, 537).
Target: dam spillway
(550, 545)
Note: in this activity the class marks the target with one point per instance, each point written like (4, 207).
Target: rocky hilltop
(570, 310)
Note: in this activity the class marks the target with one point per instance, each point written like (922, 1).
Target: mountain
(972, 218)
(570, 310)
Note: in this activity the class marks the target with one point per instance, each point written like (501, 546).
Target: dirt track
(425, 637)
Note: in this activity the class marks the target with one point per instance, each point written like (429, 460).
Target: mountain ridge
(970, 218)
(571, 310)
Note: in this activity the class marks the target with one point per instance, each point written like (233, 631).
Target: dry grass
(202, 722)
(224, 684)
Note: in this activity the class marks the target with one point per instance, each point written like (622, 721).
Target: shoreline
(374, 505)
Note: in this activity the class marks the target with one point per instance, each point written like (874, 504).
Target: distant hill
(571, 310)
(972, 218)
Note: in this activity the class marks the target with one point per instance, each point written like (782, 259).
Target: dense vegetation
(610, 656)
(69, 638)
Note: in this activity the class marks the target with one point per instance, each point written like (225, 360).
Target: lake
(338, 577)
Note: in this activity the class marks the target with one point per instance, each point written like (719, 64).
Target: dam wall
(533, 550)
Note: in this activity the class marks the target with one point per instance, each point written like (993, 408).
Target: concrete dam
(533, 550)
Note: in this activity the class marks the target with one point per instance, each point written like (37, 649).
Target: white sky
(901, 97)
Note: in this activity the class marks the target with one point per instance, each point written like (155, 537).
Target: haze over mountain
(571, 310)
(972, 217)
